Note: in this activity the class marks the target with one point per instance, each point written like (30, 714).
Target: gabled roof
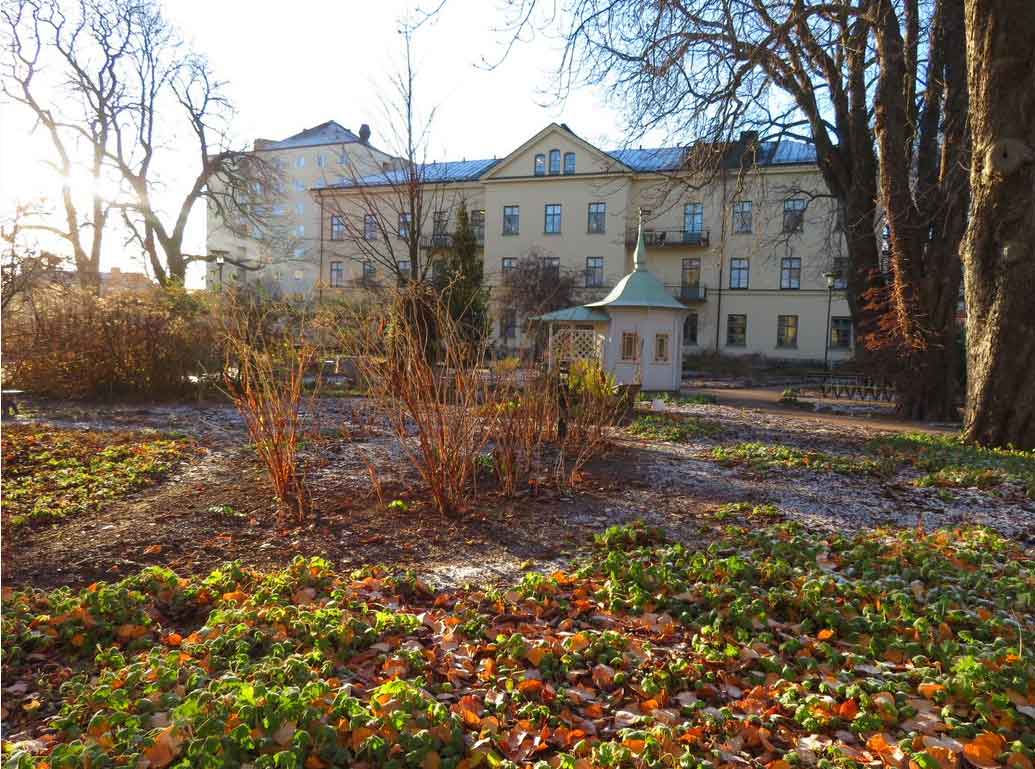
(325, 133)
(554, 127)
(431, 173)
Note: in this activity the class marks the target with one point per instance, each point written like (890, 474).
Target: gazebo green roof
(579, 314)
(640, 288)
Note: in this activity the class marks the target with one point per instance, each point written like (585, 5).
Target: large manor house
(753, 252)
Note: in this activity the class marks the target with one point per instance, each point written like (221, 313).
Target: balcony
(444, 240)
(689, 293)
(661, 238)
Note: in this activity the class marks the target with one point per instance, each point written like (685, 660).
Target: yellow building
(751, 250)
(286, 250)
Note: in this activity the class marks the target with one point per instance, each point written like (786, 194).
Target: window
(369, 227)
(786, 330)
(540, 165)
(693, 218)
(404, 267)
(337, 228)
(508, 324)
(790, 272)
(661, 348)
(841, 333)
(299, 185)
(840, 273)
(478, 224)
(736, 330)
(369, 271)
(594, 271)
(321, 161)
(257, 188)
(569, 163)
(690, 329)
(742, 217)
(440, 222)
(511, 220)
(508, 263)
(555, 162)
(691, 276)
(404, 225)
(300, 209)
(630, 346)
(300, 161)
(794, 214)
(337, 274)
(597, 222)
(551, 268)
(300, 230)
(739, 269)
(300, 253)
(552, 223)
(279, 210)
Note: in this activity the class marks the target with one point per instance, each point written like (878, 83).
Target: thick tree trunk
(999, 250)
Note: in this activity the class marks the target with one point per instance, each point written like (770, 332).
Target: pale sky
(294, 65)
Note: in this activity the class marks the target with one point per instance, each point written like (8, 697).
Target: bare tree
(133, 87)
(998, 252)
(811, 69)
(385, 206)
(924, 148)
(24, 268)
(706, 70)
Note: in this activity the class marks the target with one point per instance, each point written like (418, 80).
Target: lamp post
(219, 261)
(830, 276)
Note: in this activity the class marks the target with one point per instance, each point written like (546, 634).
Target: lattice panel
(575, 344)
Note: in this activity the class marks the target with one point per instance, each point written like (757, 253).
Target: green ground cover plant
(678, 399)
(674, 429)
(51, 473)
(764, 456)
(768, 646)
(949, 462)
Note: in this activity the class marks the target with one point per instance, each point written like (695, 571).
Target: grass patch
(767, 642)
(763, 456)
(670, 428)
(678, 399)
(734, 511)
(949, 462)
(52, 473)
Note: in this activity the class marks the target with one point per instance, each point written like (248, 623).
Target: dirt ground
(217, 507)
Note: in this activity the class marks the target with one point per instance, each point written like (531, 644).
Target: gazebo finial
(640, 254)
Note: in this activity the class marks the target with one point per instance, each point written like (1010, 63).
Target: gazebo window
(661, 348)
(630, 346)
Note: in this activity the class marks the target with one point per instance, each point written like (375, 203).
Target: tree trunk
(999, 250)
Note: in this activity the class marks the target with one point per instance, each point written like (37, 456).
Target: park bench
(847, 386)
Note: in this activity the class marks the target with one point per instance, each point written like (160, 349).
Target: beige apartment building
(285, 250)
(751, 251)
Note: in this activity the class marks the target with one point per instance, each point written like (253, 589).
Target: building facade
(751, 250)
(282, 253)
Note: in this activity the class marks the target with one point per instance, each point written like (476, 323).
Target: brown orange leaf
(984, 749)
(929, 690)
(1018, 761)
(165, 748)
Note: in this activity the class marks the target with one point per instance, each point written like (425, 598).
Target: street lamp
(831, 277)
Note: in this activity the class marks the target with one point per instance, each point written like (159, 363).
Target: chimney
(261, 144)
(749, 137)
(364, 134)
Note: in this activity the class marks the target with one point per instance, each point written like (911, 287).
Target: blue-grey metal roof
(772, 153)
(325, 133)
(431, 173)
(579, 314)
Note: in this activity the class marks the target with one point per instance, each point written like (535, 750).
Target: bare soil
(218, 507)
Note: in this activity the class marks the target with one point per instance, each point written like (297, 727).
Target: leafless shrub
(523, 423)
(268, 357)
(426, 377)
(73, 344)
(593, 406)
